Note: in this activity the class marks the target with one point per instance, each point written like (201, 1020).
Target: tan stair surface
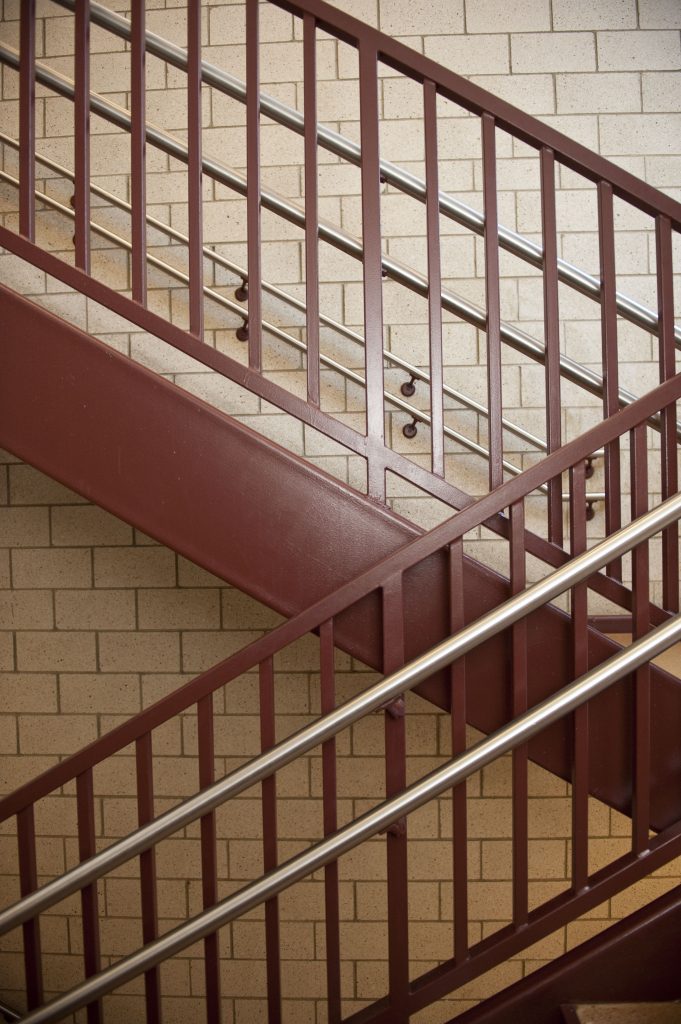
(628, 1013)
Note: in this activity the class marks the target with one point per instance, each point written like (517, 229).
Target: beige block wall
(100, 620)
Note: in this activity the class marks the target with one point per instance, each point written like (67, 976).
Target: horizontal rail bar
(291, 300)
(368, 825)
(406, 182)
(382, 693)
(456, 304)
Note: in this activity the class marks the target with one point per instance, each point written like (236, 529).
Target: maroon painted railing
(527, 927)
(632, 424)
(374, 49)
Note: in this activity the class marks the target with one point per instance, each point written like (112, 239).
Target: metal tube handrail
(406, 182)
(367, 825)
(375, 697)
(291, 300)
(456, 304)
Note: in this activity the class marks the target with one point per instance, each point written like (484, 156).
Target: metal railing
(417, 415)
(378, 696)
(375, 821)
(461, 307)
(386, 577)
(404, 181)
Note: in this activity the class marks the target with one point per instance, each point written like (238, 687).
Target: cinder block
(471, 55)
(571, 15)
(521, 16)
(139, 652)
(559, 51)
(644, 51)
(56, 652)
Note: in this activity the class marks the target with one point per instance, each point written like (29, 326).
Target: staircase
(482, 645)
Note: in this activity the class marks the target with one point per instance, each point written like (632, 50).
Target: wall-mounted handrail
(377, 696)
(218, 258)
(368, 825)
(519, 340)
(410, 184)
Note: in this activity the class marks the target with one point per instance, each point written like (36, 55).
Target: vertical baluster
(138, 180)
(519, 672)
(668, 442)
(552, 339)
(145, 813)
(195, 166)
(457, 682)
(373, 282)
(434, 277)
(580, 653)
(640, 586)
(269, 834)
(87, 848)
(82, 133)
(606, 238)
(494, 396)
(209, 866)
(311, 208)
(253, 175)
(27, 120)
(395, 782)
(328, 703)
(28, 882)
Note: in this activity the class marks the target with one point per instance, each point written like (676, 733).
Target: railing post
(209, 866)
(611, 404)
(27, 120)
(311, 209)
(195, 176)
(668, 438)
(551, 339)
(458, 718)
(640, 585)
(580, 649)
(86, 849)
(253, 198)
(144, 764)
(269, 842)
(395, 782)
(493, 319)
(373, 262)
(434, 278)
(329, 793)
(82, 132)
(138, 213)
(28, 882)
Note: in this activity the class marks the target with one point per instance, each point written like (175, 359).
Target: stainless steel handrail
(377, 696)
(368, 825)
(278, 293)
(456, 304)
(406, 182)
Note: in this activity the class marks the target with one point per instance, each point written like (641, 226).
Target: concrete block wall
(100, 620)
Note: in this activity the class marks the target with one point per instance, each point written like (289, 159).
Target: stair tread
(628, 1013)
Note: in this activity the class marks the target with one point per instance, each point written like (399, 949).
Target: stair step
(623, 1013)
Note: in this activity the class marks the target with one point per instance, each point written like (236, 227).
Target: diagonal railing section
(438, 85)
(385, 579)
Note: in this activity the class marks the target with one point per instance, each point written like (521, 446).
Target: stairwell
(364, 976)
